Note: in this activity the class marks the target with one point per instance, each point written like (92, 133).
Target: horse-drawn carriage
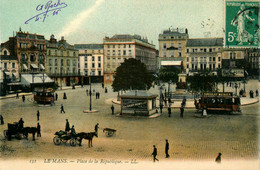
(64, 137)
(15, 130)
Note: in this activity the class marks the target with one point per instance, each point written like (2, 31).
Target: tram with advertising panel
(219, 101)
(45, 96)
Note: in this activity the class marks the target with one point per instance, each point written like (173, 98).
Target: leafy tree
(202, 82)
(132, 74)
(169, 75)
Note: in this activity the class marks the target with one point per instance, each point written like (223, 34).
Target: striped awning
(25, 67)
(42, 67)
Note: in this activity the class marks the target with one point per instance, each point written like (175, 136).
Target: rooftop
(88, 46)
(205, 42)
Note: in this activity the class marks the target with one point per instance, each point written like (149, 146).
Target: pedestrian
(154, 153)
(169, 101)
(64, 96)
(1, 119)
(105, 89)
(38, 115)
(195, 104)
(39, 130)
(102, 85)
(161, 107)
(67, 126)
(87, 92)
(256, 93)
(218, 158)
(165, 102)
(182, 111)
(167, 149)
(96, 128)
(62, 109)
(20, 124)
(73, 131)
(17, 95)
(96, 95)
(23, 98)
(169, 111)
(56, 96)
(112, 109)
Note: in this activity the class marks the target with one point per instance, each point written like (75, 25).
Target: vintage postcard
(129, 84)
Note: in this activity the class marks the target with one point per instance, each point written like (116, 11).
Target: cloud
(75, 24)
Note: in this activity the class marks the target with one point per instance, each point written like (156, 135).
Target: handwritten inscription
(49, 9)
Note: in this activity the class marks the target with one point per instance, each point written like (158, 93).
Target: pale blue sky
(88, 21)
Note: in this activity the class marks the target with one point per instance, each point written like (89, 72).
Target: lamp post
(90, 93)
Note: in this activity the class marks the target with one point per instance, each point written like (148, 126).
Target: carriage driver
(20, 124)
(72, 131)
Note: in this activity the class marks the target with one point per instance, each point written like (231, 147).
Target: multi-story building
(30, 50)
(253, 61)
(203, 54)
(172, 47)
(62, 62)
(121, 47)
(8, 70)
(90, 62)
(233, 62)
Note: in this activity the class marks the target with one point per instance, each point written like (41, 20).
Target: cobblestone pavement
(190, 138)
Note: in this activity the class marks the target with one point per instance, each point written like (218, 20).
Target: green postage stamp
(242, 23)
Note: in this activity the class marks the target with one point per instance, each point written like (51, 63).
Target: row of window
(203, 66)
(203, 59)
(119, 52)
(195, 50)
(93, 58)
(93, 73)
(62, 53)
(26, 45)
(62, 70)
(33, 57)
(172, 54)
(74, 62)
(93, 65)
(119, 46)
(92, 51)
(5, 65)
(172, 45)
(173, 37)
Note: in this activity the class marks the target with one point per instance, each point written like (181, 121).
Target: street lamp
(90, 93)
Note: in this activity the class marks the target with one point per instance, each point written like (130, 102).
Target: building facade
(204, 54)
(90, 62)
(121, 47)
(253, 56)
(30, 50)
(233, 62)
(62, 62)
(172, 47)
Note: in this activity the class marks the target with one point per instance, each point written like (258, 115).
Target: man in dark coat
(38, 115)
(20, 123)
(67, 127)
(154, 153)
(62, 109)
(73, 131)
(23, 98)
(1, 119)
(218, 158)
(161, 107)
(112, 109)
(39, 130)
(56, 95)
(64, 96)
(96, 128)
(167, 149)
(169, 111)
(182, 111)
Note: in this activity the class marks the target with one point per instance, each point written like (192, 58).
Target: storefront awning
(27, 79)
(42, 67)
(25, 67)
(34, 66)
(8, 73)
(171, 63)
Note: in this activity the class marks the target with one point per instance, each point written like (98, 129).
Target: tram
(219, 101)
(45, 96)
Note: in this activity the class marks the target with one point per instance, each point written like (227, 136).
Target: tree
(169, 75)
(132, 74)
(202, 82)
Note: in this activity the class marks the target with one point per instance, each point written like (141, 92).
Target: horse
(89, 136)
(27, 130)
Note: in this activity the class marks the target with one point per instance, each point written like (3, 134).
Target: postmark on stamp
(242, 23)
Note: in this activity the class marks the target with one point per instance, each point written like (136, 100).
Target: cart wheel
(73, 142)
(56, 140)
(6, 133)
(109, 133)
(18, 136)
